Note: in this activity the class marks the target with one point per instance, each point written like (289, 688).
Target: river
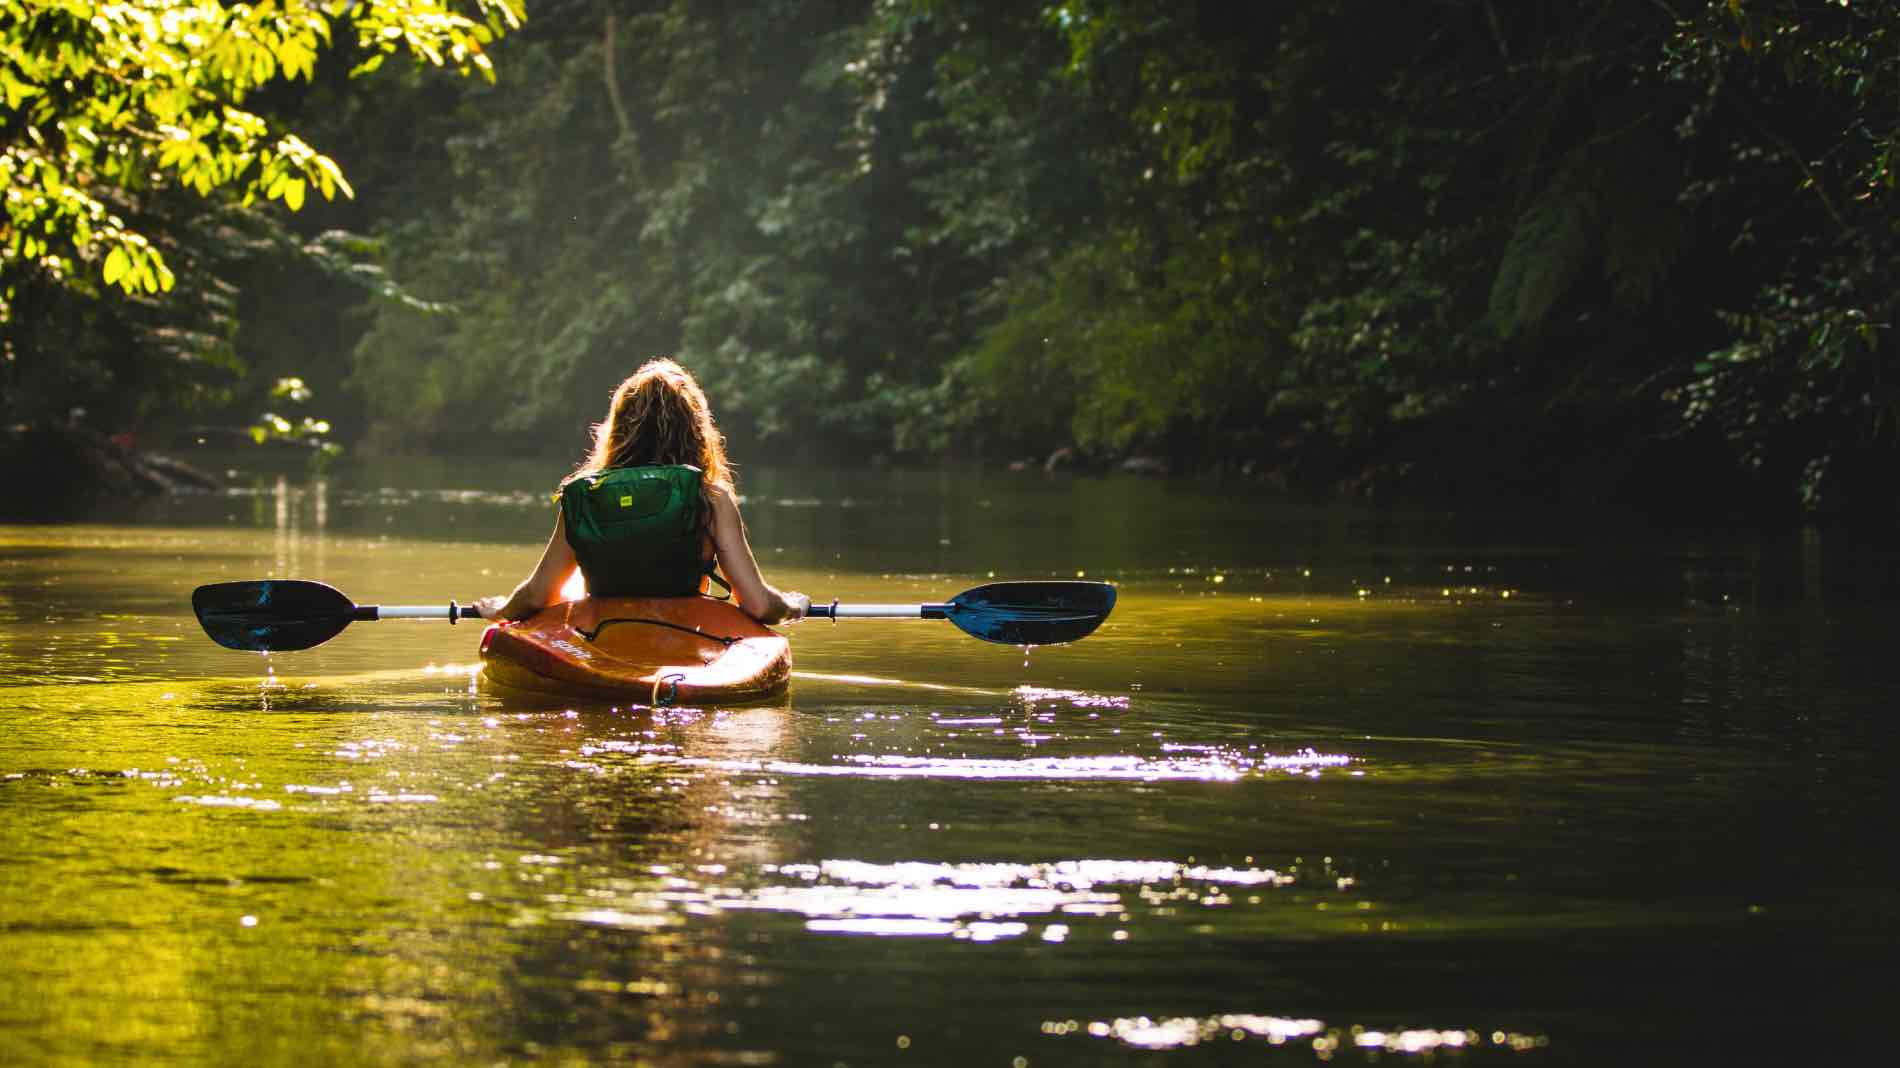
(1331, 785)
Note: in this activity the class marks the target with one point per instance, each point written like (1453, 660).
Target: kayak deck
(653, 650)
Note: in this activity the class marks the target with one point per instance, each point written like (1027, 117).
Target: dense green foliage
(1462, 248)
(129, 155)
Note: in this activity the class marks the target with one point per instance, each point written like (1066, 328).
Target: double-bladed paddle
(280, 615)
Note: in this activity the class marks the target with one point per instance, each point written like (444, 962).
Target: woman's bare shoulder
(725, 503)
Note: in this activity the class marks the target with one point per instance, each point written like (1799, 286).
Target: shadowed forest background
(1634, 253)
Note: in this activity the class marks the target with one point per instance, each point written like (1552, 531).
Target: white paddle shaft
(876, 611)
(425, 611)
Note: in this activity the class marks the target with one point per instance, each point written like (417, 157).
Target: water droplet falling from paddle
(269, 682)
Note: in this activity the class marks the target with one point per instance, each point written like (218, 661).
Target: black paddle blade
(1032, 613)
(271, 615)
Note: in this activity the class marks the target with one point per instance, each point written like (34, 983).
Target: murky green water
(1329, 786)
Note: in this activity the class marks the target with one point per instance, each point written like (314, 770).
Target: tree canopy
(115, 108)
(1579, 252)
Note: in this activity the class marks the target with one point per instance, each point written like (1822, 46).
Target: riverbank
(52, 471)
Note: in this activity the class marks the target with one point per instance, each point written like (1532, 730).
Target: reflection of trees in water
(292, 509)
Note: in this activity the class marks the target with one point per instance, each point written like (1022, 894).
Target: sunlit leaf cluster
(111, 101)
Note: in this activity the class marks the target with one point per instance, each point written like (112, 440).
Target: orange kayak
(649, 650)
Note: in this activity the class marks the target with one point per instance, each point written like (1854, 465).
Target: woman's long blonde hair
(659, 415)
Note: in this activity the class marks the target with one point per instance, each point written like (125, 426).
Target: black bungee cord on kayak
(593, 635)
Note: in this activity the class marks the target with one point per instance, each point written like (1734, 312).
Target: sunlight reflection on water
(1177, 1032)
(970, 901)
(1222, 769)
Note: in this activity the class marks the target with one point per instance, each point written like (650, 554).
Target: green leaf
(332, 178)
(117, 262)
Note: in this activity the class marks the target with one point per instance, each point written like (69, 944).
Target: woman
(659, 416)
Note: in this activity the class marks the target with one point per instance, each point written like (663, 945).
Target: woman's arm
(759, 599)
(543, 585)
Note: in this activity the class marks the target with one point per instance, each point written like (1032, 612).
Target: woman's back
(639, 531)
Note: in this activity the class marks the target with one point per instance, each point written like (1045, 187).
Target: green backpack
(637, 531)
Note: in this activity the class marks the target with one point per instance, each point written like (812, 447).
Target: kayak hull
(648, 650)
